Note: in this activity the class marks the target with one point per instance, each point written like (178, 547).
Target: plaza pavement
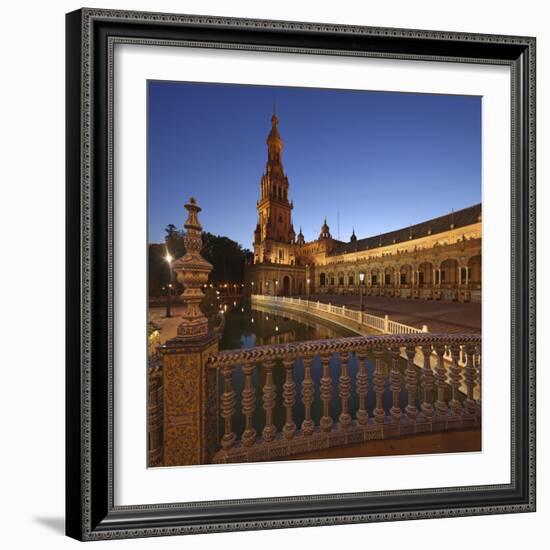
(450, 317)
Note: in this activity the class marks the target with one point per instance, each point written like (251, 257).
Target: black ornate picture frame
(90, 509)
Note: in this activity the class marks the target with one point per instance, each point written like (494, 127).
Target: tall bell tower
(274, 227)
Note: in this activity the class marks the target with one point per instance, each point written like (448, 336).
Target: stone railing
(352, 317)
(433, 397)
(154, 410)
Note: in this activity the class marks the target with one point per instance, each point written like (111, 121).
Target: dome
(325, 231)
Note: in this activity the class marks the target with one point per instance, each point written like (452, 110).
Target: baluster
(395, 379)
(307, 396)
(379, 413)
(326, 391)
(268, 398)
(412, 381)
(362, 389)
(455, 378)
(345, 391)
(441, 380)
(427, 380)
(470, 380)
(228, 408)
(289, 398)
(248, 402)
(478, 365)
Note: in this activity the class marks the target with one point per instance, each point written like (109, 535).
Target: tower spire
(274, 141)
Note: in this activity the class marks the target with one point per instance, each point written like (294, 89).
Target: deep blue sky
(382, 160)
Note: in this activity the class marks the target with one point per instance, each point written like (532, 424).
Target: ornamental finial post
(189, 399)
(192, 271)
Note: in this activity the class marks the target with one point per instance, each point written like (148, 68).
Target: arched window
(322, 279)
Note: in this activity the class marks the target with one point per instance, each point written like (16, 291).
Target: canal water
(247, 327)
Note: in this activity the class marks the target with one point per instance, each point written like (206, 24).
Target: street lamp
(276, 288)
(169, 259)
(361, 280)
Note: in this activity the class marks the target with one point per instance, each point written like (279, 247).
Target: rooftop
(453, 220)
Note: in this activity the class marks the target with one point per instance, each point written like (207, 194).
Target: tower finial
(274, 118)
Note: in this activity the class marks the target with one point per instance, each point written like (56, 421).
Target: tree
(227, 257)
(174, 241)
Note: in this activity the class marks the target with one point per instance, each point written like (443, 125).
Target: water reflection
(246, 327)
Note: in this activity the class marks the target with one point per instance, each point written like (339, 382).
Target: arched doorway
(375, 277)
(350, 280)
(425, 274)
(474, 272)
(405, 276)
(474, 278)
(449, 279)
(286, 285)
(341, 282)
(449, 273)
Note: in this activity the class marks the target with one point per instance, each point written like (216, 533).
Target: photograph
(314, 273)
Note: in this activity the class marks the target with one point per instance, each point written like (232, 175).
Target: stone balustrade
(352, 318)
(444, 396)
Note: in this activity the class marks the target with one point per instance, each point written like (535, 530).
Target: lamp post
(361, 281)
(169, 259)
(276, 288)
(308, 280)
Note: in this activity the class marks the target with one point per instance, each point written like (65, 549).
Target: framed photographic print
(300, 274)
